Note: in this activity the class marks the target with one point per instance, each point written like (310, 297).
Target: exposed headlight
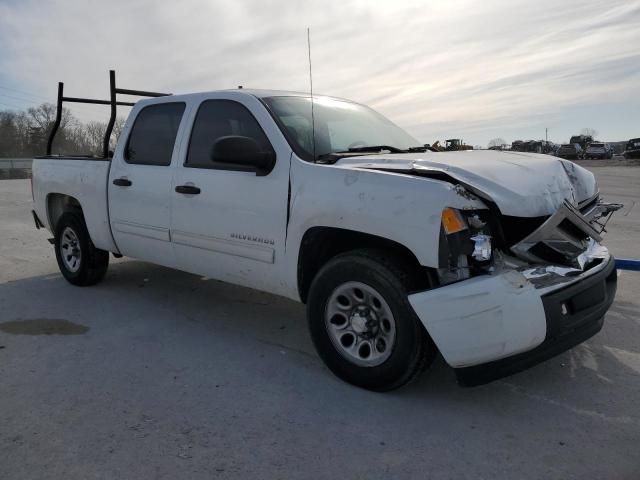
(481, 247)
(466, 234)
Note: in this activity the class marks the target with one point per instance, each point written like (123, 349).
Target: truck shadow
(148, 299)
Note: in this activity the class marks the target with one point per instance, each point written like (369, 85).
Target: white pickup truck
(491, 258)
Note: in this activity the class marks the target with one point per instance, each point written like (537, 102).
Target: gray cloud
(455, 67)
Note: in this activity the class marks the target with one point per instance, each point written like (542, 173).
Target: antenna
(313, 120)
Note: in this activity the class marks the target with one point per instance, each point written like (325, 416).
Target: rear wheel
(80, 262)
(362, 324)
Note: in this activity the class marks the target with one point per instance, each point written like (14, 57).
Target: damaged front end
(540, 210)
(524, 278)
(566, 237)
(533, 287)
(563, 244)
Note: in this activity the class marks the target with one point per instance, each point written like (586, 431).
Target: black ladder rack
(113, 102)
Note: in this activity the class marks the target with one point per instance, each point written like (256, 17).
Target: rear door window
(153, 135)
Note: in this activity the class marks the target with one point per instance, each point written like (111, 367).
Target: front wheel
(362, 324)
(80, 262)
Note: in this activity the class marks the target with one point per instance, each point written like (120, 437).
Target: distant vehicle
(436, 147)
(455, 145)
(538, 146)
(582, 140)
(517, 146)
(598, 150)
(552, 148)
(617, 148)
(570, 151)
(534, 146)
(633, 148)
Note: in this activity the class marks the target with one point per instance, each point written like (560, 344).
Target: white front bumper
(490, 317)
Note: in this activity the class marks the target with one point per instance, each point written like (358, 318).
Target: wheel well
(320, 244)
(59, 203)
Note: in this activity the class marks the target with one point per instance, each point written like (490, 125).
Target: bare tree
(497, 142)
(589, 132)
(41, 120)
(8, 134)
(25, 133)
(44, 116)
(94, 134)
(23, 144)
(118, 126)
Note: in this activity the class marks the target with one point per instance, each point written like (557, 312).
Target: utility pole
(546, 136)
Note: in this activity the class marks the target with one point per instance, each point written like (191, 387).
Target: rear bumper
(491, 326)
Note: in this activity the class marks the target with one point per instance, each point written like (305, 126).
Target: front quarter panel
(402, 208)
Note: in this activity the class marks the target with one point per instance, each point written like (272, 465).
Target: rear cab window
(153, 134)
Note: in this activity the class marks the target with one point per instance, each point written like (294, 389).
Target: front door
(140, 184)
(228, 222)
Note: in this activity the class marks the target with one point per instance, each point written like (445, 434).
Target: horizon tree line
(24, 133)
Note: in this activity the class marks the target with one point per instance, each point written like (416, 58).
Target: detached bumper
(492, 326)
(573, 315)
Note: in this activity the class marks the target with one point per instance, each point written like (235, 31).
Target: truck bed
(83, 178)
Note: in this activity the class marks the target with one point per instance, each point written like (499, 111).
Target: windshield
(340, 125)
(597, 145)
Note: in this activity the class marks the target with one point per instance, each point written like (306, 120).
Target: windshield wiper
(378, 148)
(333, 156)
(375, 148)
(420, 149)
(372, 149)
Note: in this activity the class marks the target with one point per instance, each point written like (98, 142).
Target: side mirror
(244, 152)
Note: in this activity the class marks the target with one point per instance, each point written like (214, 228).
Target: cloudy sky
(438, 68)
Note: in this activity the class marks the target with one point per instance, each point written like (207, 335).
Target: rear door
(140, 183)
(228, 222)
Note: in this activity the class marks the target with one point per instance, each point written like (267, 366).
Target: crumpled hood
(520, 184)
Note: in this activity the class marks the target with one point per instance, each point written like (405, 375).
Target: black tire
(412, 351)
(93, 262)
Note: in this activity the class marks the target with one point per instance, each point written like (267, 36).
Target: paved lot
(181, 377)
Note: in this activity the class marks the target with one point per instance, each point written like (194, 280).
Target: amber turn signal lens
(452, 221)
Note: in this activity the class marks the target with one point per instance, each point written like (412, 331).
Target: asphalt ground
(160, 374)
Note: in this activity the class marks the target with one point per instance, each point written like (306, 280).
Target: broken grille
(565, 235)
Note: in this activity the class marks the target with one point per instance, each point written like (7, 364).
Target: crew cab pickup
(491, 258)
